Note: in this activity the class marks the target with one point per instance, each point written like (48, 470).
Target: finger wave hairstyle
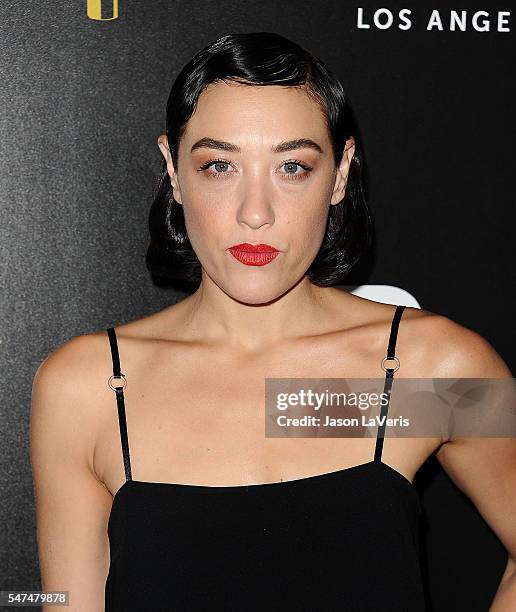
(260, 58)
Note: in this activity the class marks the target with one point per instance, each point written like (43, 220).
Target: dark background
(82, 104)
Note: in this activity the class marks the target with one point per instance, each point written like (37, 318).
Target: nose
(255, 209)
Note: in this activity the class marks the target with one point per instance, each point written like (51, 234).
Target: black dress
(345, 540)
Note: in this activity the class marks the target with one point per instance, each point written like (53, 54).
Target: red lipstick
(253, 254)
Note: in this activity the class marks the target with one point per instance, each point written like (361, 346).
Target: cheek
(206, 225)
(306, 225)
(204, 209)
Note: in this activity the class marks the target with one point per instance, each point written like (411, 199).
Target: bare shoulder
(75, 374)
(71, 367)
(70, 387)
(432, 345)
(67, 358)
(69, 390)
(451, 350)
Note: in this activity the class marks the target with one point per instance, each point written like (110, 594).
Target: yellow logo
(94, 10)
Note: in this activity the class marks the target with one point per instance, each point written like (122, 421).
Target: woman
(182, 503)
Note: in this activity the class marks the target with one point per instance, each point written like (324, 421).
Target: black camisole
(341, 541)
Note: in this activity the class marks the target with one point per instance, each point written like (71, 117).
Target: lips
(253, 254)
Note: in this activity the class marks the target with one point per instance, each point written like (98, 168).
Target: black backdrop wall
(83, 102)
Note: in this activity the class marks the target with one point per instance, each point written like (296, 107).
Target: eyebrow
(282, 147)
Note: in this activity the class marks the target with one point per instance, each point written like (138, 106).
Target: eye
(292, 170)
(220, 166)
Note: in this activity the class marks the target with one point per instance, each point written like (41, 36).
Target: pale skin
(204, 359)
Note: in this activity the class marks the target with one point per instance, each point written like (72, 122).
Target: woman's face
(243, 178)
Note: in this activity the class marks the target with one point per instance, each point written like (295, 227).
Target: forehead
(270, 113)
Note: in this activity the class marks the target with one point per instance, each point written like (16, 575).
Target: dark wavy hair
(260, 58)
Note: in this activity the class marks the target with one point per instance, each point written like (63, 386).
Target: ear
(165, 150)
(341, 180)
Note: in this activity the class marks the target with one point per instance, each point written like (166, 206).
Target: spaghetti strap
(389, 377)
(119, 390)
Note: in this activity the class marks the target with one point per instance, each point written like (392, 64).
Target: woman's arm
(483, 468)
(72, 505)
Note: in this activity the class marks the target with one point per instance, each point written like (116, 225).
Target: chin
(254, 293)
